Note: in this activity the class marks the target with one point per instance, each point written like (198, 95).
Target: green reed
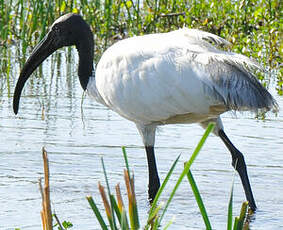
(253, 27)
(114, 207)
(120, 217)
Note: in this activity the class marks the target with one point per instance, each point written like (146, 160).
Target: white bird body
(152, 78)
(157, 79)
(170, 78)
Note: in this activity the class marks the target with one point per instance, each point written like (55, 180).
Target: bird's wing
(204, 43)
(154, 77)
(201, 37)
(229, 76)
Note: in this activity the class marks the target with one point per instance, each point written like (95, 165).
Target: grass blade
(119, 198)
(187, 166)
(133, 210)
(169, 223)
(199, 200)
(96, 212)
(236, 224)
(126, 159)
(242, 215)
(153, 218)
(124, 221)
(113, 222)
(106, 206)
(154, 203)
(230, 207)
(116, 209)
(135, 207)
(120, 213)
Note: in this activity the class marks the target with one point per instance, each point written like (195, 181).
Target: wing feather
(157, 76)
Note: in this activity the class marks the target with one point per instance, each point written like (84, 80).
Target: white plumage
(175, 77)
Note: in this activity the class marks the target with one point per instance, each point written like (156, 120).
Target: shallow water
(50, 115)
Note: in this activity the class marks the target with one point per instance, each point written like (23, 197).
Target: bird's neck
(86, 52)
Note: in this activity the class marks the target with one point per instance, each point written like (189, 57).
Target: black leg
(239, 164)
(154, 182)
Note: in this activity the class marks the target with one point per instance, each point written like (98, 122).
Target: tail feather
(230, 77)
(235, 83)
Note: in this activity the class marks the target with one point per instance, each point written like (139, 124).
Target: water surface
(50, 115)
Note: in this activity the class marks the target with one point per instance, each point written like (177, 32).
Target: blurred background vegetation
(254, 27)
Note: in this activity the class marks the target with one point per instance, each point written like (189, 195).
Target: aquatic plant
(253, 27)
(117, 214)
(115, 209)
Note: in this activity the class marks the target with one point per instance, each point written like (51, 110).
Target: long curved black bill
(44, 49)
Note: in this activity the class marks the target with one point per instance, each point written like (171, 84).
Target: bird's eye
(56, 29)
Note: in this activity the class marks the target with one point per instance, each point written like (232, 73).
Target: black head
(68, 30)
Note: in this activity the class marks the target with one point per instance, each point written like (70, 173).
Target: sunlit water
(50, 115)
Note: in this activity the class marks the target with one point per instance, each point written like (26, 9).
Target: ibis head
(67, 30)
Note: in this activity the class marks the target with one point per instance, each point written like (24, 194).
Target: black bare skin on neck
(68, 30)
(84, 43)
